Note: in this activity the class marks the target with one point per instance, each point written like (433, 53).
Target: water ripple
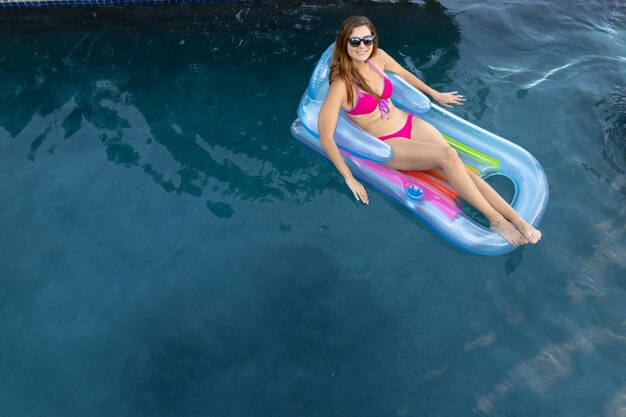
(611, 112)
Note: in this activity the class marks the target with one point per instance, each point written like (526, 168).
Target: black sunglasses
(367, 41)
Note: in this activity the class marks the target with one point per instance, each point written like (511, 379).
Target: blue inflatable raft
(424, 194)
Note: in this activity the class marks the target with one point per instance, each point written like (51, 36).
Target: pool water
(168, 249)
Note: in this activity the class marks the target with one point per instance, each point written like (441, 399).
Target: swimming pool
(169, 249)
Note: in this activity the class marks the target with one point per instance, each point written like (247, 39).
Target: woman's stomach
(373, 124)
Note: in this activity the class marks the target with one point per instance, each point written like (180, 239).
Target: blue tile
(12, 4)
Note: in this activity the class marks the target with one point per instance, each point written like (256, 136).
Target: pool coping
(38, 4)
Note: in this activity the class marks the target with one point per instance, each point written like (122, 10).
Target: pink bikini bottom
(405, 132)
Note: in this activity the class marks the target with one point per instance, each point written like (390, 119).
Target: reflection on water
(617, 406)
(551, 365)
(166, 106)
(601, 274)
(611, 112)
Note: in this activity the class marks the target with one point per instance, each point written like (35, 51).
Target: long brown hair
(342, 67)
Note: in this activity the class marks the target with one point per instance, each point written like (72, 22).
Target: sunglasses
(367, 41)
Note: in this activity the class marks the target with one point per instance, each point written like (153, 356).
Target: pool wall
(36, 4)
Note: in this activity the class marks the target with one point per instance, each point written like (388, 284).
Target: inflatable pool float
(424, 193)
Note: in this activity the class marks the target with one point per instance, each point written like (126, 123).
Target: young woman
(358, 85)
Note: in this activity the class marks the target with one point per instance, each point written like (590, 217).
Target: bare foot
(508, 232)
(533, 235)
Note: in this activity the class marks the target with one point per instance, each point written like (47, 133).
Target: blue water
(168, 249)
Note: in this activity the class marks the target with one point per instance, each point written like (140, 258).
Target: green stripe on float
(473, 153)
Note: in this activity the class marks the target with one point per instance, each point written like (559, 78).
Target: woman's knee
(449, 156)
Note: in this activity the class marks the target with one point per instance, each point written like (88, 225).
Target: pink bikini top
(367, 103)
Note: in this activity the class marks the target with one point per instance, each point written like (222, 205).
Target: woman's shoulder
(338, 84)
(380, 59)
(382, 52)
(338, 90)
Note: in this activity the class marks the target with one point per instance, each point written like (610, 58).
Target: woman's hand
(357, 189)
(447, 99)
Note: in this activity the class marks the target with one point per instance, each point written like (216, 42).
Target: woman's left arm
(446, 99)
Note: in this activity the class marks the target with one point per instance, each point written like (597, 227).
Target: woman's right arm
(326, 123)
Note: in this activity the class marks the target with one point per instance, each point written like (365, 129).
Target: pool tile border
(38, 4)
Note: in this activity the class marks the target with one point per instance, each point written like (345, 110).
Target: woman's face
(361, 52)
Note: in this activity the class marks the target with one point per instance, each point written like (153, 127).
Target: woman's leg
(427, 132)
(427, 152)
(497, 202)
